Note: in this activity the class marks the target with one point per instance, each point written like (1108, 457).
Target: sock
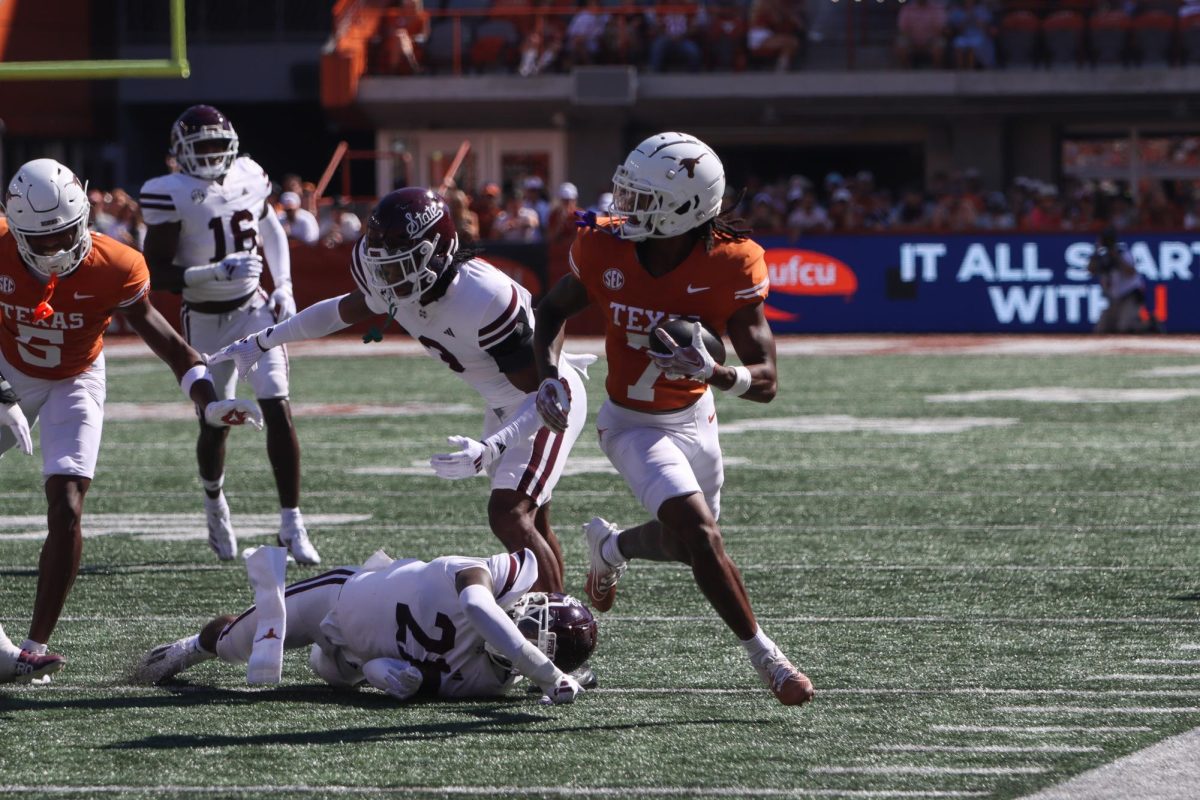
(37, 648)
(5, 642)
(758, 645)
(290, 518)
(610, 551)
(213, 488)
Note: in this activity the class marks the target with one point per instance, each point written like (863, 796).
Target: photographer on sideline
(1123, 285)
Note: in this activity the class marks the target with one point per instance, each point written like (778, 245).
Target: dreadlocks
(725, 226)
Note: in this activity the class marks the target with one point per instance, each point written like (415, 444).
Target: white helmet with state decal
(47, 209)
(668, 185)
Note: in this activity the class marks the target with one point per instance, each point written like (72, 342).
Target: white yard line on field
(1039, 730)
(986, 748)
(1136, 676)
(519, 790)
(902, 769)
(1168, 770)
(1179, 662)
(1095, 710)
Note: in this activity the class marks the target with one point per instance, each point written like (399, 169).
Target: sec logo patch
(613, 279)
(7, 285)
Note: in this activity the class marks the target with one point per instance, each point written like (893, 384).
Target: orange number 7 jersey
(708, 286)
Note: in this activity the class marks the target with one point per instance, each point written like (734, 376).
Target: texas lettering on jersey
(69, 340)
(707, 286)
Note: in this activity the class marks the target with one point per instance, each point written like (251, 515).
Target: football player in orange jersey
(59, 287)
(667, 253)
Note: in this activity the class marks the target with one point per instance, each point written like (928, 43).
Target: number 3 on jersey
(241, 230)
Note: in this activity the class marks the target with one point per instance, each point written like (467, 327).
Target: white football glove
(283, 305)
(472, 458)
(395, 676)
(564, 690)
(244, 353)
(239, 266)
(553, 404)
(688, 362)
(224, 413)
(13, 418)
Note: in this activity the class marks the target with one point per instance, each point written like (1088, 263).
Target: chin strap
(376, 334)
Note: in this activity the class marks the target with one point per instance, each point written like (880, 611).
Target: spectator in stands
(808, 217)
(99, 219)
(584, 35)
(764, 216)
(973, 35)
(843, 216)
(912, 212)
(777, 32)
(1047, 213)
(726, 35)
(996, 215)
(921, 33)
(603, 203)
(953, 214)
(1156, 210)
(535, 197)
(298, 223)
(541, 48)
(561, 228)
(466, 223)
(517, 222)
(1191, 220)
(400, 30)
(877, 210)
(344, 226)
(487, 207)
(672, 38)
(291, 183)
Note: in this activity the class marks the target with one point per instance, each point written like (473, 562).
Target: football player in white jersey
(479, 322)
(451, 627)
(209, 227)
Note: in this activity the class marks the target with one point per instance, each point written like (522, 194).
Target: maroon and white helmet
(559, 625)
(410, 241)
(204, 143)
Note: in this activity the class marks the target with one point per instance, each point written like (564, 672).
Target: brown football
(681, 331)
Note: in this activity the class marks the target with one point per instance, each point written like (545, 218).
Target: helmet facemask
(205, 165)
(407, 273)
(537, 614)
(63, 261)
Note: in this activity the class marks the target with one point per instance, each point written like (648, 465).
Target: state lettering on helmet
(410, 241)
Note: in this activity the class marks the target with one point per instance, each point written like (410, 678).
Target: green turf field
(985, 610)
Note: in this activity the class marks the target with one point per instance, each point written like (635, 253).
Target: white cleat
(298, 545)
(168, 660)
(220, 529)
(602, 577)
(789, 685)
(23, 666)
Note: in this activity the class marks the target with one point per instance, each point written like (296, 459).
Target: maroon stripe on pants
(550, 462)
(539, 446)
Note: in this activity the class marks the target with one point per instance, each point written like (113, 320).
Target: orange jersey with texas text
(709, 287)
(69, 340)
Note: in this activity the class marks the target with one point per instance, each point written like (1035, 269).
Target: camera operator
(1123, 285)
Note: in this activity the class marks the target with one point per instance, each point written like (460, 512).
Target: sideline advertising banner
(969, 283)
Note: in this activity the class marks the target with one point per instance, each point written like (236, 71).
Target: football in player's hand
(681, 331)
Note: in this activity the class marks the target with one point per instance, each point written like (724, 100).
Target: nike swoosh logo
(79, 296)
(693, 289)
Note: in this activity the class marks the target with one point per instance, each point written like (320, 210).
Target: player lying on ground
(452, 627)
(477, 321)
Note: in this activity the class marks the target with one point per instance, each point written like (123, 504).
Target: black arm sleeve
(515, 351)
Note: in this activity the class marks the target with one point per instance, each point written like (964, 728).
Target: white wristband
(197, 373)
(741, 381)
